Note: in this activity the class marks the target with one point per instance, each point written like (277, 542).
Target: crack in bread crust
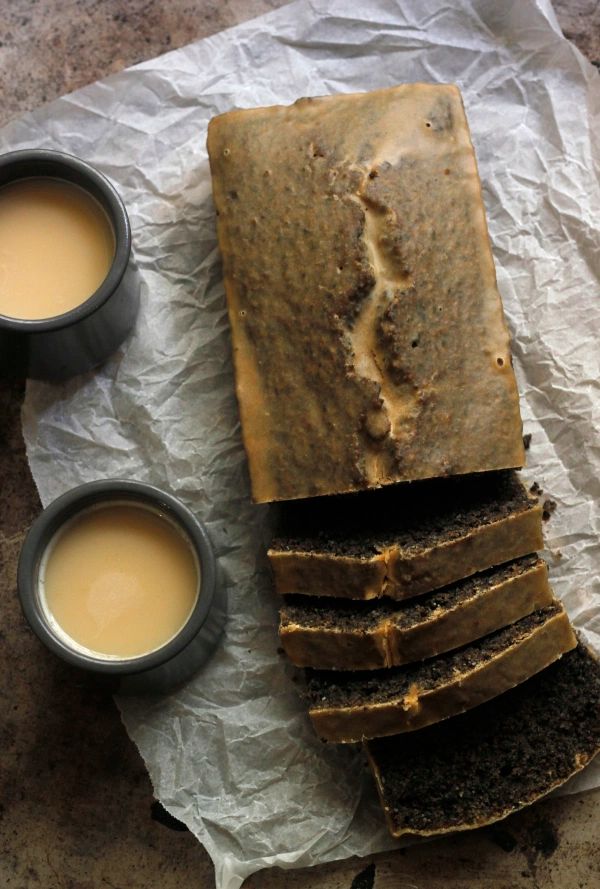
(368, 335)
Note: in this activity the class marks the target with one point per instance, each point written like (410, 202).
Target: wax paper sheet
(232, 755)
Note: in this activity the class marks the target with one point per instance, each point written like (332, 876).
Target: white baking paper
(233, 755)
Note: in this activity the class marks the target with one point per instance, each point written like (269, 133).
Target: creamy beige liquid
(120, 580)
(56, 247)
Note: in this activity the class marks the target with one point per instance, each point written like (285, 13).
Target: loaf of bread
(348, 707)
(369, 341)
(330, 634)
(404, 540)
(480, 767)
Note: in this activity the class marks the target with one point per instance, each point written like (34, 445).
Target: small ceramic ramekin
(178, 659)
(82, 338)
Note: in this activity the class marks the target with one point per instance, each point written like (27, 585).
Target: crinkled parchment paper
(232, 755)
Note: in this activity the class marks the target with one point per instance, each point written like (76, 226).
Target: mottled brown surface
(51, 47)
(356, 636)
(75, 800)
(368, 336)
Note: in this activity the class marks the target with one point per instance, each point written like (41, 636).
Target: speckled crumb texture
(404, 540)
(478, 767)
(333, 634)
(56, 829)
(350, 706)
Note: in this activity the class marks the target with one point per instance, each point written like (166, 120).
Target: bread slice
(330, 634)
(369, 341)
(348, 707)
(419, 537)
(481, 766)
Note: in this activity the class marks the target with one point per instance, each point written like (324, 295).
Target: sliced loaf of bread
(352, 706)
(332, 634)
(406, 540)
(481, 766)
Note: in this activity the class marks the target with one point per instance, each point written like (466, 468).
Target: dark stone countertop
(76, 805)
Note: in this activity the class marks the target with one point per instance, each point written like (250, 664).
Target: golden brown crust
(420, 708)
(492, 544)
(331, 649)
(368, 336)
(325, 574)
(389, 644)
(401, 574)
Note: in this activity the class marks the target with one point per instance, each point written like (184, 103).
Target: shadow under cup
(162, 668)
(84, 337)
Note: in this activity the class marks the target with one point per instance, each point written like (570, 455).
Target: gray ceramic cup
(178, 659)
(84, 337)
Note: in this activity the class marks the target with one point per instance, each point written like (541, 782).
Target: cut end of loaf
(406, 540)
(352, 706)
(332, 634)
(481, 766)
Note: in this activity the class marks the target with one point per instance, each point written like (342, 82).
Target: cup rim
(70, 504)
(60, 165)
